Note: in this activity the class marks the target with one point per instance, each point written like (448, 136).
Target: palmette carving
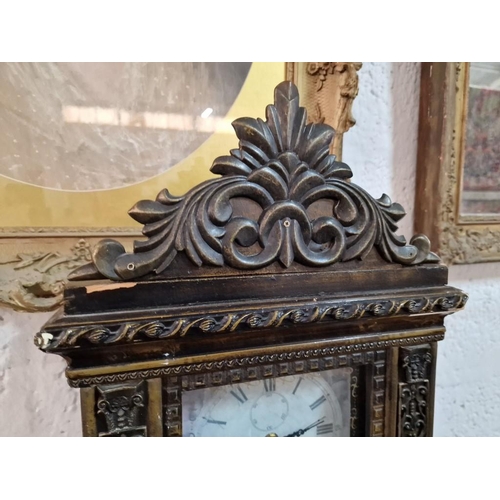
(120, 406)
(284, 166)
(416, 365)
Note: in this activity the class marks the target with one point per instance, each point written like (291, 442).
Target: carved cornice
(240, 362)
(158, 329)
(283, 166)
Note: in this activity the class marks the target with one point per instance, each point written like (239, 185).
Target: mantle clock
(273, 300)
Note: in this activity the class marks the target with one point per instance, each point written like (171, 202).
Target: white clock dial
(312, 404)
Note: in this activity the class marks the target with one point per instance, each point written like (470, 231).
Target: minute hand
(300, 432)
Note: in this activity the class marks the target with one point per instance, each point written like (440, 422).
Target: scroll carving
(158, 329)
(414, 391)
(283, 165)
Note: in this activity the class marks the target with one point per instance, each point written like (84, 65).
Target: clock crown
(283, 166)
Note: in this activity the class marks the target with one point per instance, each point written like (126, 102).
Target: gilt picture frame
(36, 257)
(454, 196)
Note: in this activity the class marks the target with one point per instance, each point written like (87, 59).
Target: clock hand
(211, 421)
(300, 432)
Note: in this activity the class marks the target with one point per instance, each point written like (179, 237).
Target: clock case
(279, 266)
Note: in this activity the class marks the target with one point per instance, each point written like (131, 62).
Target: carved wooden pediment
(281, 197)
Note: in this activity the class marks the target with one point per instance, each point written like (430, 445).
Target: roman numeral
(297, 386)
(324, 429)
(319, 401)
(241, 397)
(210, 421)
(270, 385)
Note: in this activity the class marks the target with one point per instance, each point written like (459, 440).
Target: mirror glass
(481, 173)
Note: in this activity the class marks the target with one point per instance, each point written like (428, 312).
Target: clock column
(417, 367)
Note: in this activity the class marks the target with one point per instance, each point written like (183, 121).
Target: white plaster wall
(381, 150)
(35, 399)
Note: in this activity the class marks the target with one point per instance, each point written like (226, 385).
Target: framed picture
(80, 140)
(458, 164)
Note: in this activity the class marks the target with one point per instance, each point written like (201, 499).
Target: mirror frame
(440, 162)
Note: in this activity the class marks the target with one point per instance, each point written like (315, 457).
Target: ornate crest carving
(283, 166)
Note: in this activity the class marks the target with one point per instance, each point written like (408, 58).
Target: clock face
(307, 404)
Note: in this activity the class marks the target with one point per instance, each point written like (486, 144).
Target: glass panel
(90, 126)
(310, 404)
(81, 143)
(481, 176)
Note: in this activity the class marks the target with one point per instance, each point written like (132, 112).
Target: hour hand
(300, 432)
(212, 421)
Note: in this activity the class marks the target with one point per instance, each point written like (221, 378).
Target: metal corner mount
(283, 164)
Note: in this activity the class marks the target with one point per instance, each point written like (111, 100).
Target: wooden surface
(380, 312)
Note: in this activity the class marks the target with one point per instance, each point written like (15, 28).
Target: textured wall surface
(35, 399)
(381, 150)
